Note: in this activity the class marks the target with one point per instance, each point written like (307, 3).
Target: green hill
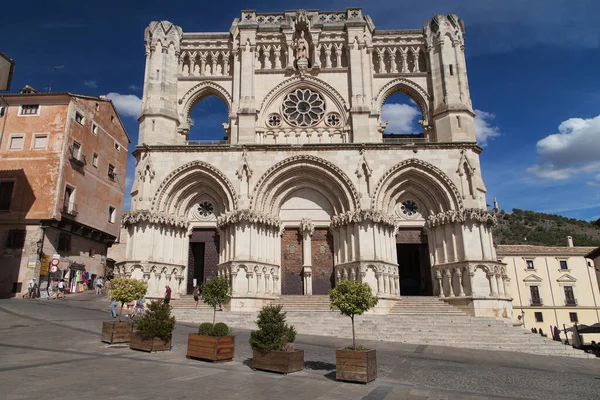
(530, 227)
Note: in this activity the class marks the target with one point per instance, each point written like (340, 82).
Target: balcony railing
(571, 302)
(76, 157)
(69, 208)
(536, 302)
(404, 140)
(207, 142)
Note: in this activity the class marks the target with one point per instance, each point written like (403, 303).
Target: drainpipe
(587, 266)
(5, 117)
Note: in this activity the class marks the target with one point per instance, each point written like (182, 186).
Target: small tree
(216, 291)
(157, 321)
(125, 290)
(273, 333)
(350, 299)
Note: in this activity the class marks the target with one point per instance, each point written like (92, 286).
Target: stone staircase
(417, 305)
(187, 302)
(303, 303)
(415, 320)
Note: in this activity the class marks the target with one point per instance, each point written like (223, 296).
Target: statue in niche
(301, 48)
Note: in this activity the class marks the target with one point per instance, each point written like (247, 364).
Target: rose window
(274, 121)
(409, 208)
(205, 209)
(303, 107)
(334, 119)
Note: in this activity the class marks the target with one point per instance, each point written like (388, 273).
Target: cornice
(153, 218)
(308, 147)
(251, 216)
(467, 215)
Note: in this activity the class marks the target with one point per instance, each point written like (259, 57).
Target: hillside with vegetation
(534, 228)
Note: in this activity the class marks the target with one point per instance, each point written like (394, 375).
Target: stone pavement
(52, 348)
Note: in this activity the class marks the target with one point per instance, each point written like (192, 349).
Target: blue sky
(532, 73)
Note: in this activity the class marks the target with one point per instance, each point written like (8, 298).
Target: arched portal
(199, 193)
(305, 192)
(411, 191)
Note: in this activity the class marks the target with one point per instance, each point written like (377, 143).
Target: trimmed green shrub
(220, 329)
(352, 298)
(157, 321)
(205, 329)
(273, 333)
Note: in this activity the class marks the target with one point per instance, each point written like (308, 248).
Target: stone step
(435, 328)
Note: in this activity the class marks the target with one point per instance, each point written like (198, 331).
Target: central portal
(203, 257)
(413, 263)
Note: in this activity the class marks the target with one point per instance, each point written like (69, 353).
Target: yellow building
(552, 286)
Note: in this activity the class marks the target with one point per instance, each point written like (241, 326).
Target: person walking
(30, 288)
(61, 289)
(167, 294)
(50, 290)
(113, 309)
(99, 284)
(196, 296)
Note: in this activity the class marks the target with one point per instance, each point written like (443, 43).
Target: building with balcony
(552, 286)
(62, 179)
(307, 188)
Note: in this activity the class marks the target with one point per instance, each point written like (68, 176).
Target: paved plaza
(52, 349)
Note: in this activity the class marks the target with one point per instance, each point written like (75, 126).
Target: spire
(496, 204)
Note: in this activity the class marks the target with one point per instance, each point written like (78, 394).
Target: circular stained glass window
(303, 107)
(206, 209)
(409, 208)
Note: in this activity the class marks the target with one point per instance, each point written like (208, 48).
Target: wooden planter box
(283, 362)
(215, 349)
(355, 366)
(116, 332)
(139, 342)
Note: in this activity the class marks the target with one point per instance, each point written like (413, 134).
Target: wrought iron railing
(570, 301)
(207, 142)
(404, 140)
(69, 208)
(536, 302)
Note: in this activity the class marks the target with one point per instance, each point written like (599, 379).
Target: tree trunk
(121, 312)
(214, 314)
(353, 337)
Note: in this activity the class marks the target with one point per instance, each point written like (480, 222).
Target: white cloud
(90, 84)
(400, 118)
(135, 88)
(128, 105)
(595, 181)
(573, 150)
(483, 129)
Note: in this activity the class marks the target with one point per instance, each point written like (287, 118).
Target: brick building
(62, 178)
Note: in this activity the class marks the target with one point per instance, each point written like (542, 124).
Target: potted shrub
(213, 342)
(122, 290)
(354, 364)
(273, 343)
(153, 331)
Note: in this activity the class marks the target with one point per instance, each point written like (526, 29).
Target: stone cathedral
(306, 189)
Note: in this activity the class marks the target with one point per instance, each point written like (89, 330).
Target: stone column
(493, 286)
(504, 278)
(449, 277)
(307, 228)
(460, 283)
(500, 287)
(438, 277)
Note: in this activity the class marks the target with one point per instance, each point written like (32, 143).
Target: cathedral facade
(306, 189)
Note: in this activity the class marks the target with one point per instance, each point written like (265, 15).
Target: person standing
(196, 296)
(99, 284)
(50, 290)
(167, 294)
(113, 309)
(30, 288)
(61, 289)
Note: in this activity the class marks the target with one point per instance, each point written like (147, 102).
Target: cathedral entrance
(203, 257)
(323, 278)
(291, 262)
(413, 263)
